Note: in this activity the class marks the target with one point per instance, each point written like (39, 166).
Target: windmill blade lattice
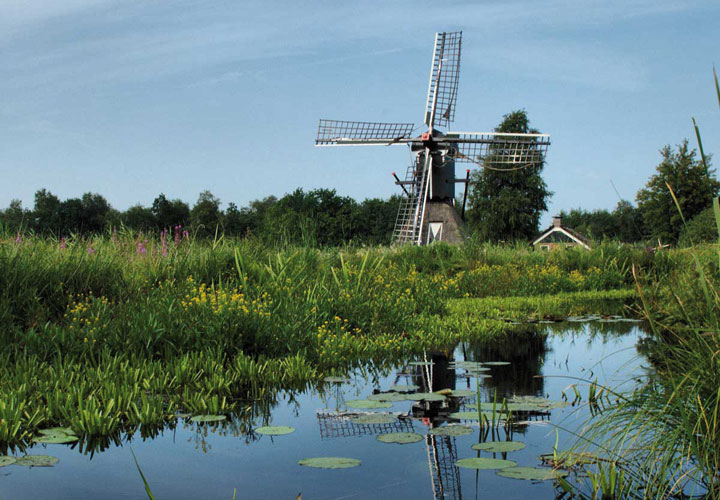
(339, 133)
(498, 151)
(444, 77)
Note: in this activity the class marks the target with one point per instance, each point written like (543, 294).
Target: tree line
(319, 217)
(674, 206)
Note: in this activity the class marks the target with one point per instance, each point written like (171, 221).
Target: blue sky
(133, 98)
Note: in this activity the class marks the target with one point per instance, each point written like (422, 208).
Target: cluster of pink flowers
(141, 249)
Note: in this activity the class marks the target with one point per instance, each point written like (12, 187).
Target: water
(200, 461)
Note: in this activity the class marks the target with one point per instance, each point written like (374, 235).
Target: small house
(558, 235)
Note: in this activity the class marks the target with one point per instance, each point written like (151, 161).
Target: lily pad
(275, 430)
(399, 437)
(54, 431)
(404, 388)
(496, 363)
(485, 463)
(56, 439)
(336, 380)
(425, 396)
(366, 404)
(375, 418)
(499, 446)
(386, 396)
(208, 418)
(532, 473)
(462, 393)
(473, 375)
(6, 460)
(330, 462)
(451, 430)
(471, 415)
(36, 461)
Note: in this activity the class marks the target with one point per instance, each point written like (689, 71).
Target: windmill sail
(444, 77)
(341, 133)
(499, 151)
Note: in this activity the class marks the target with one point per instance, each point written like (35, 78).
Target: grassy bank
(123, 333)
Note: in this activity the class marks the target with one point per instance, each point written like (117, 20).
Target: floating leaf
(420, 363)
(472, 415)
(425, 396)
(56, 439)
(36, 461)
(366, 404)
(386, 396)
(399, 437)
(485, 463)
(330, 462)
(5, 460)
(473, 375)
(207, 418)
(336, 380)
(462, 393)
(275, 430)
(496, 363)
(451, 430)
(532, 473)
(375, 418)
(404, 388)
(499, 446)
(54, 431)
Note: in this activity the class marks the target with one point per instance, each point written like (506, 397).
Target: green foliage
(701, 229)
(624, 223)
(506, 205)
(693, 184)
(205, 215)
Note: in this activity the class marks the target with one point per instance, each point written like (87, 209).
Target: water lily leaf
(5, 460)
(499, 446)
(275, 430)
(404, 388)
(485, 463)
(56, 439)
(386, 396)
(336, 380)
(425, 396)
(471, 415)
(462, 393)
(207, 418)
(451, 430)
(473, 375)
(54, 431)
(496, 363)
(576, 319)
(375, 418)
(532, 473)
(399, 437)
(330, 462)
(366, 404)
(36, 461)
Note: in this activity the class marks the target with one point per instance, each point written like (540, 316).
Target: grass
(107, 339)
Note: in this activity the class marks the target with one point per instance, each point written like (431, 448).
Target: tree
(506, 206)
(205, 215)
(139, 218)
(694, 188)
(14, 218)
(46, 213)
(170, 213)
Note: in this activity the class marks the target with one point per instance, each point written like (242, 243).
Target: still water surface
(195, 461)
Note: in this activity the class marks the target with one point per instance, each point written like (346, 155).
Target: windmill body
(428, 211)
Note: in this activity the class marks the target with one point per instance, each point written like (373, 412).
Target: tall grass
(666, 433)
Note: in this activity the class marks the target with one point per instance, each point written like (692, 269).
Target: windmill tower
(427, 212)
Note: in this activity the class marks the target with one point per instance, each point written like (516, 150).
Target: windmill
(427, 212)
